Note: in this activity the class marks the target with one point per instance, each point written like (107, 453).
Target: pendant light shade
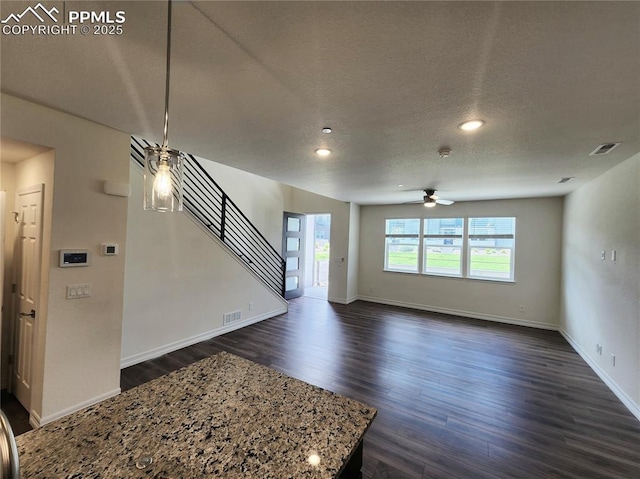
(162, 179)
(163, 165)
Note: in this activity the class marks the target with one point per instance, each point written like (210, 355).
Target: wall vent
(565, 179)
(604, 149)
(231, 317)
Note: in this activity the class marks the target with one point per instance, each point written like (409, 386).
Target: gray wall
(601, 298)
(537, 265)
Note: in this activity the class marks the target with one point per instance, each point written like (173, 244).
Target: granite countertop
(222, 416)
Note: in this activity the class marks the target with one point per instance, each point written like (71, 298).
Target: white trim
(183, 343)
(466, 314)
(342, 300)
(37, 421)
(631, 405)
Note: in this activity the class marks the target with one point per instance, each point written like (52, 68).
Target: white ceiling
(253, 83)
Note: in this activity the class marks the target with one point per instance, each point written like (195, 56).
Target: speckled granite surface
(223, 416)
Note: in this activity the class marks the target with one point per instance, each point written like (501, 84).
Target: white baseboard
(631, 405)
(183, 343)
(466, 314)
(342, 300)
(36, 421)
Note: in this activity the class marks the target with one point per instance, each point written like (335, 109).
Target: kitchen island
(223, 416)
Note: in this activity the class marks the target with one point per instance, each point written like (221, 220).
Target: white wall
(354, 252)
(601, 298)
(7, 184)
(260, 199)
(79, 355)
(342, 277)
(537, 265)
(179, 281)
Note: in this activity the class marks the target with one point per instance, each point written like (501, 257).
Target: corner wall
(537, 265)
(79, 355)
(601, 298)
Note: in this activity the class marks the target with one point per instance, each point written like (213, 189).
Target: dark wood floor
(457, 398)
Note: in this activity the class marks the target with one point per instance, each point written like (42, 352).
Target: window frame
(512, 249)
(416, 236)
(453, 236)
(465, 248)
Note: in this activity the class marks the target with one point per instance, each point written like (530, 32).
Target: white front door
(27, 280)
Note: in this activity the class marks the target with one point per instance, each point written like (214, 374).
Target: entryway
(318, 240)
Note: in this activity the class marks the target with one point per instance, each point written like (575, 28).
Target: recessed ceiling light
(400, 185)
(323, 152)
(471, 125)
(327, 130)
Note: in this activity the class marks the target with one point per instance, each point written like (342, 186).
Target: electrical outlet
(251, 306)
(603, 255)
(599, 349)
(521, 309)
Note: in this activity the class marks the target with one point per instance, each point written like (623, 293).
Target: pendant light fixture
(163, 165)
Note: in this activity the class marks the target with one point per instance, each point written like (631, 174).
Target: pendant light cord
(165, 140)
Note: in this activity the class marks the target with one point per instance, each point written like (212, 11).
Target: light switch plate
(77, 291)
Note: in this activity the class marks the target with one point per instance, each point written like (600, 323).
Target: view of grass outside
(490, 262)
(446, 261)
(482, 259)
(402, 257)
(321, 252)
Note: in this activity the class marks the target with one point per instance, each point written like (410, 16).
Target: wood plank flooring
(457, 398)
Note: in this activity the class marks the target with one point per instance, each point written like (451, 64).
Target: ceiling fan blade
(445, 202)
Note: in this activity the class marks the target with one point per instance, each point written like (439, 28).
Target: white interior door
(27, 280)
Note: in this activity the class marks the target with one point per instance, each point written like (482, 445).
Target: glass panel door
(293, 253)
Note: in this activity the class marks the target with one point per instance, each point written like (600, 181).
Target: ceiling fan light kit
(431, 199)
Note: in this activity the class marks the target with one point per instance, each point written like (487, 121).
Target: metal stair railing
(213, 209)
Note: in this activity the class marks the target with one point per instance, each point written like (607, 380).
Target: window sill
(470, 278)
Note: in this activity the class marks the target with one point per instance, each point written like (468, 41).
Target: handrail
(214, 210)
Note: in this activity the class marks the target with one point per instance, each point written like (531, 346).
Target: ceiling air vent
(603, 149)
(565, 179)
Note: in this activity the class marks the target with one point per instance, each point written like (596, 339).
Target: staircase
(208, 204)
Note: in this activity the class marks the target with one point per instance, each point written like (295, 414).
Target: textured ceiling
(253, 83)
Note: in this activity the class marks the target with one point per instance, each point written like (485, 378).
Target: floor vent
(231, 317)
(603, 149)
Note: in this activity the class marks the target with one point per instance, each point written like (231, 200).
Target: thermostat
(74, 257)
(109, 249)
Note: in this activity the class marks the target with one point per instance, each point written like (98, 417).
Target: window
(402, 242)
(443, 246)
(439, 246)
(491, 244)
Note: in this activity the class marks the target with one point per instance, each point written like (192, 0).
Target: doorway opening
(318, 241)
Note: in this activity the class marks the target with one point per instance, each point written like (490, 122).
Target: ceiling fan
(431, 199)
